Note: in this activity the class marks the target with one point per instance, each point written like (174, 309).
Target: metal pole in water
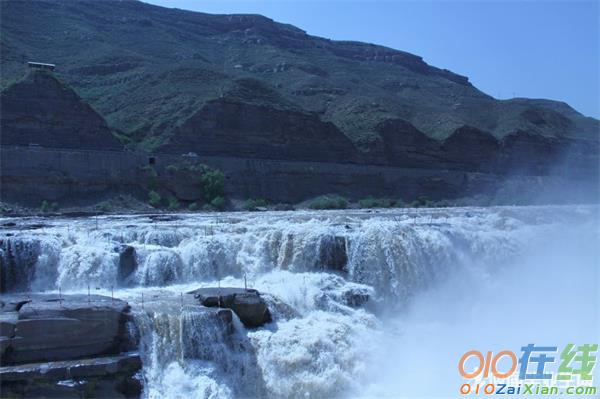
(59, 296)
(181, 293)
(142, 300)
(245, 283)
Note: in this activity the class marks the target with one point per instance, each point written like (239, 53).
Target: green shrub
(283, 207)
(436, 204)
(193, 206)
(400, 204)
(368, 202)
(154, 199)
(49, 207)
(152, 177)
(254, 204)
(173, 203)
(414, 204)
(198, 168)
(172, 168)
(218, 203)
(371, 202)
(45, 207)
(213, 184)
(329, 202)
(150, 171)
(105, 207)
(428, 204)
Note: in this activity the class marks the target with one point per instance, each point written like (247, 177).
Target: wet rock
(8, 321)
(246, 303)
(127, 262)
(127, 363)
(18, 258)
(279, 309)
(109, 376)
(332, 253)
(44, 327)
(356, 296)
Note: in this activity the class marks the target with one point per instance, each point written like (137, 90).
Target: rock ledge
(246, 303)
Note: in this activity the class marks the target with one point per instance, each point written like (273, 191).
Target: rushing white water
(437, 282)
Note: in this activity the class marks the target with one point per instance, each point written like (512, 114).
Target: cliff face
(406, 146)
(229, 128)
(235, 128)
(41, 110)
(471, 149)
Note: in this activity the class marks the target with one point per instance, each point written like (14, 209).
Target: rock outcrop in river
(67, 346)
(246, 303)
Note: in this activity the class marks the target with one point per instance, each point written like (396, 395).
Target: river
(377, 303)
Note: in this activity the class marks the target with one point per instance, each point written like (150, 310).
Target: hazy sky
(534, 49)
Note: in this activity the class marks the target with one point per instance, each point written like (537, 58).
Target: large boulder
(109, 376)
(332, 253)
(356, 296)
(246, 303)
(127, 263)
(46, 327)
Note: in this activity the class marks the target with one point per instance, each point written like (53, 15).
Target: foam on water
(315, 270)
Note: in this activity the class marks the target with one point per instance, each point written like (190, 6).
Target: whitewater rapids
(438, 282)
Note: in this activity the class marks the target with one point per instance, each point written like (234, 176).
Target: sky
(535, 49)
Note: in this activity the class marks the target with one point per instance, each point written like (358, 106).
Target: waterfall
(396, 253)
(330, 279)
(192, 351)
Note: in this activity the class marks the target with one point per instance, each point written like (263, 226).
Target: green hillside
(147, 69)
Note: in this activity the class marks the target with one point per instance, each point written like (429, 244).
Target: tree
(213, 184)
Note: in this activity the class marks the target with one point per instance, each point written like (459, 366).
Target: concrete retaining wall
(32, 174)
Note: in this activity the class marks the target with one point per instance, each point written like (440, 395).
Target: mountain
(155, 74)
(41, 110)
